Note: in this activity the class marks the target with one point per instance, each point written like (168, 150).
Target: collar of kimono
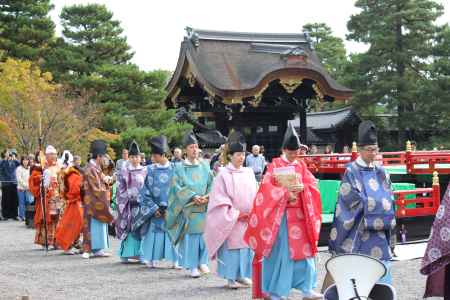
(165, 166)
(283, 157)
(132, 168)
(189, 163)
(232, 168)
(362, 163)
(94, 164)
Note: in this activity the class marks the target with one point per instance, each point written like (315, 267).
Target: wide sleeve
(147, 206)
(121, 192)
(350, 191)
(73, 192)
(94, 185)
(312, 205)
(179, 196)
(220, 218)
(145, 197)
(34, 183)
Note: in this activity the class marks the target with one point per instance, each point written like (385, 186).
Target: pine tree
(400, 34)
(26, 29)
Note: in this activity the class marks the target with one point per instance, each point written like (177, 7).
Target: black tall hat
(236, 142)
(291, 141)
(134, 149)
(189, 139)
(98, 147)
(159, 144)
(367, 134)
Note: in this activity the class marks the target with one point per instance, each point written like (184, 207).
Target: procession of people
(260, 223)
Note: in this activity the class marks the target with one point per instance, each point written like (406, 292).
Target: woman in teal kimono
(131, 180)
(188, 198)
(149, 225)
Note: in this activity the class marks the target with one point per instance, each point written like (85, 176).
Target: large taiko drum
(356, 277)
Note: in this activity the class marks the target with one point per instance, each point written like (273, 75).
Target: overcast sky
(155, 29)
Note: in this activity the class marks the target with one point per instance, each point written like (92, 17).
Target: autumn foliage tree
(32, 107)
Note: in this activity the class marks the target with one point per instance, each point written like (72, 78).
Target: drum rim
(356, 254)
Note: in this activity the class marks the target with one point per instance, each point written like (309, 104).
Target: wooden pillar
(303, 123)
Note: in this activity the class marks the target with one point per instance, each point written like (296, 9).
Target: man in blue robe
(188, 198)
(149, 225)
(364, 216)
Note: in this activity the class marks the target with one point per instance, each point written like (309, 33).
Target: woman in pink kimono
(230, 202)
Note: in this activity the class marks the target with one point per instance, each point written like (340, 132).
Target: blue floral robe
(364, 215)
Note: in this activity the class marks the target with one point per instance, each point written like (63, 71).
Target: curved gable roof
(236, 64)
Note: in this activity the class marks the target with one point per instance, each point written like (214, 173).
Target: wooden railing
(427, 201)
(416, 162)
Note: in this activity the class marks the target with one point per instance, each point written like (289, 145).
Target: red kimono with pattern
(303, 218)
(70, 225)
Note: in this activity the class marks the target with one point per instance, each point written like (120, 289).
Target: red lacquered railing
(416, 162)
(427, 201)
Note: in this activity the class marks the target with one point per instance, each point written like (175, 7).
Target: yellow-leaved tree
(33, 109)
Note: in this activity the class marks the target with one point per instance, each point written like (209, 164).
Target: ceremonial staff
(42, 187)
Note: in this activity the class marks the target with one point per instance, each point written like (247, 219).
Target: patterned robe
(71, 223)
(96, 202)
(182, 215)
(437, 256)
(131, 181)
(271, 205)
(154, 195)
(364, 215)
(52, 201)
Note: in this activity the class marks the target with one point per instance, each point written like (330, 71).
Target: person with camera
(149, 224)
(10, 200)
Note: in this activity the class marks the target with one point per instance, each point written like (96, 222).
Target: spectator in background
(120, 163)
(207, 157)
(77, 161)
(143, 161)
(23, 191)
(303, 149)
(10, 200)
(314, 150)
(328, 150)
(346, 149)
(256, 162)
(177, 155)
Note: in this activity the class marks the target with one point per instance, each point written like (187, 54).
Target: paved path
(27, 271)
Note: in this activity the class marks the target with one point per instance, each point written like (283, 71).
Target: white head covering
(63, 156)
(50, 150)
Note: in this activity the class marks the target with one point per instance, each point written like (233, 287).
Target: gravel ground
(26, 270)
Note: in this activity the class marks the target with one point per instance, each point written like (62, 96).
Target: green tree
(400, 34)
(93, 55)
(25, 28)
(330, 49)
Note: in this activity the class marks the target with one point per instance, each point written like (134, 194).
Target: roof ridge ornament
(309, 40)
(192, 35)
